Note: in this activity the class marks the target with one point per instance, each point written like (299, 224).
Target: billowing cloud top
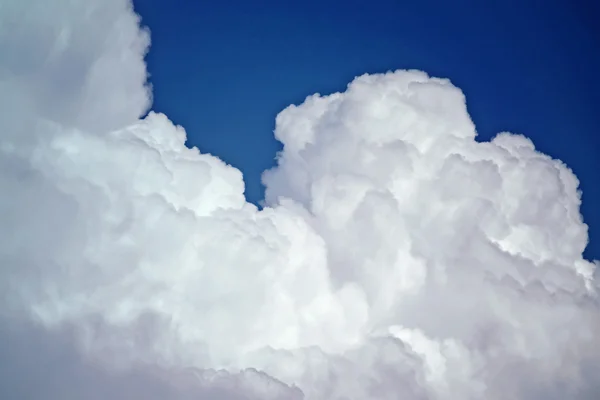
(397, 256)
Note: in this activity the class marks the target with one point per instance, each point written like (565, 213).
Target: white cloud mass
(397, 258)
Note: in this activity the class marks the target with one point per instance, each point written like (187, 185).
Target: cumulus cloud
(40, 364)
(396, 257)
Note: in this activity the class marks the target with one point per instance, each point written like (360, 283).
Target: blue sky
(224, 69)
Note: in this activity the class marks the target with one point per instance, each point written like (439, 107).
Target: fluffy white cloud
(78, 63)
(397, 257)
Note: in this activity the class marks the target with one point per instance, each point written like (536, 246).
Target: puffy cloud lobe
(73, 62)
(397, 257)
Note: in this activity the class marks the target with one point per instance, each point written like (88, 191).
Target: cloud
(397, 256)
(41, 364)
(73, 62)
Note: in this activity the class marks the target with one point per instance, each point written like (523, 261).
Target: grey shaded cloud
(36, 363)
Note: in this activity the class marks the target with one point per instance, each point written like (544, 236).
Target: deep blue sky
(224, 69)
